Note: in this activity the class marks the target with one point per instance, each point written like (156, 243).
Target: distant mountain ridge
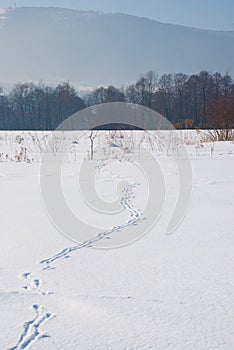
(91, 48)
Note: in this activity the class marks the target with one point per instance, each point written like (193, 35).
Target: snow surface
(162, 292)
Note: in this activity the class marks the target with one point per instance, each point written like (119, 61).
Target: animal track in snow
(32, 329)
(33, 284)
(31, 332)
(126, 202)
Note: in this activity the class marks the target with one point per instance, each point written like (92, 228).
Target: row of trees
(38, 106)
(200, 100)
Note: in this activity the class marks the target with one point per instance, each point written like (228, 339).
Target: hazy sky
(211, 14)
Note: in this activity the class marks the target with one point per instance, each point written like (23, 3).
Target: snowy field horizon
(159, 291)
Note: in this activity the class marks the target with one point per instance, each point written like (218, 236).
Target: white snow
(162, 292)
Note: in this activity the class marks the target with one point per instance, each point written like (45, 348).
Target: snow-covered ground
(163, 291)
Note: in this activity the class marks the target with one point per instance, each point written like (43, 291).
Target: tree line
(202, 100)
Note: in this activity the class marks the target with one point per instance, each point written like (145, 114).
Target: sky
(207, 14)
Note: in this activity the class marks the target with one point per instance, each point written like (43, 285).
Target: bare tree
(93, 134)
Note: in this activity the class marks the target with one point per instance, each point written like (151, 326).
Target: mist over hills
(92, 49)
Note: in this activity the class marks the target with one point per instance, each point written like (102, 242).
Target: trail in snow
(126, 202)
(32, 329)
(135, 216)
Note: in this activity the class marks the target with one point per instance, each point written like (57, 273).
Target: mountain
(90, 48)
